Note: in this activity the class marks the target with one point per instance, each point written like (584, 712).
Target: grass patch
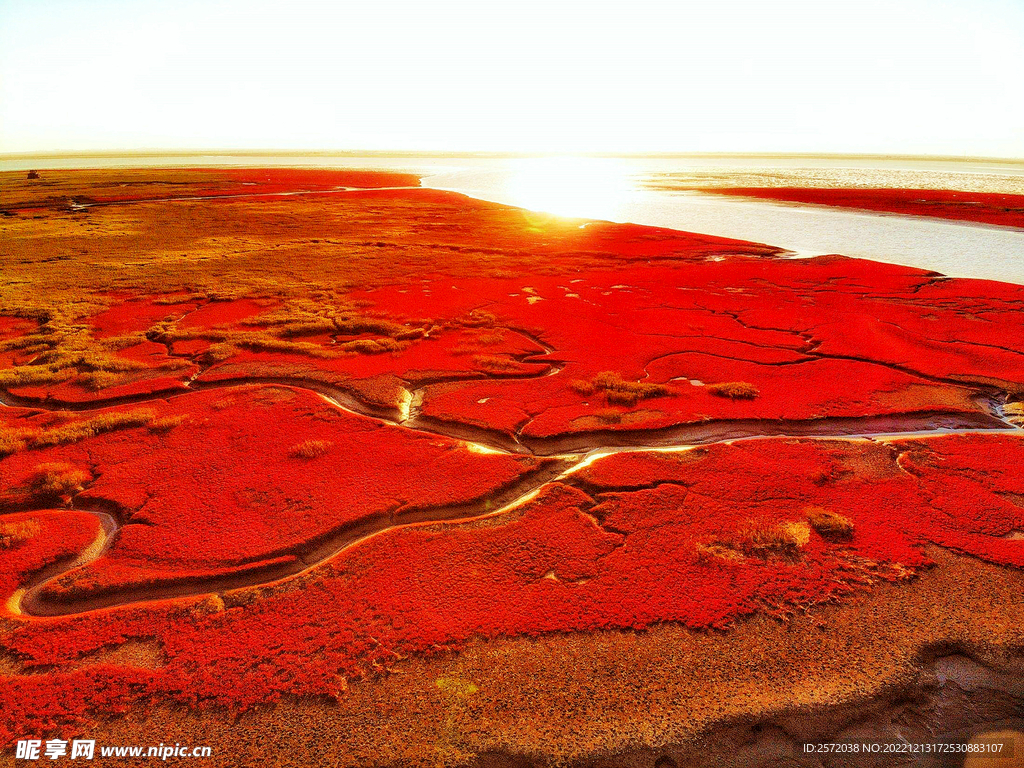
(58, 479)
(167, 423)
(734, 390)
(16, 439)
(218, 352)
(617, 390)
(373, 346)
(65, 350)
(714, 551)
(830, 525)
(310, 449)
(763, 539)
(495, 364)
(760, 539)
(15, 532)
(74, 431)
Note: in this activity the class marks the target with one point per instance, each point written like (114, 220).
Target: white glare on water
(570, 186)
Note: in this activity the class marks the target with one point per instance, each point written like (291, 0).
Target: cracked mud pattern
(321, 452)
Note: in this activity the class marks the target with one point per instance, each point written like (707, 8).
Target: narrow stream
(573, 454)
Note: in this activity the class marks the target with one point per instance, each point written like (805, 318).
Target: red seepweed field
(993, 208)
(288, 453)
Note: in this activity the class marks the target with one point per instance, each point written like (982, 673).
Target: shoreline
(950, 246)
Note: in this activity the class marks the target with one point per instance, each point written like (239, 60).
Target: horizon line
(400, 153)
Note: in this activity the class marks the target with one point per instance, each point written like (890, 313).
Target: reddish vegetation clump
(1000, 209)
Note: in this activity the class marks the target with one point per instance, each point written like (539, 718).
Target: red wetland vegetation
(994, 208)
(296, 441)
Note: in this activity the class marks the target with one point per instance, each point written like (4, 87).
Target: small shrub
(310, 449)
(58, 479)
(493, 364)
(622, 397)
(15, 532)
(764, 539)
(831, 525)
(734, 390)
(209, 605)
(618, 391)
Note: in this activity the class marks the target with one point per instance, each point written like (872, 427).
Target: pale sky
(876, 76)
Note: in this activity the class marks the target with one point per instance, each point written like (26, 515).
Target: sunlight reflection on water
(626, 190)
(571, 186)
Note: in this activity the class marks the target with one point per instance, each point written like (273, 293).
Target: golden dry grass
(495, 364)
(758, 538)
(829, 524)
(711, 551)
(373, 346)
(734, 390)
(167, 423)
(73, 431)
(15, 532)
(58, 479)
(310, 449)
(14, 439)
(617, 390)
(789, 536)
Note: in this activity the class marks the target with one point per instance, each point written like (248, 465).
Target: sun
(595, 188)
